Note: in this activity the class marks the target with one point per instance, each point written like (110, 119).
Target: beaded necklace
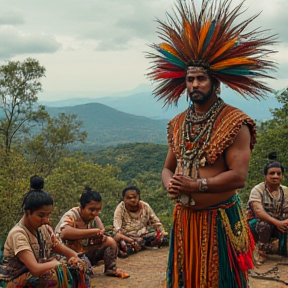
(196, 133)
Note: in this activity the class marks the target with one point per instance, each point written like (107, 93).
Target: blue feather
(171, 58)
(209, 35)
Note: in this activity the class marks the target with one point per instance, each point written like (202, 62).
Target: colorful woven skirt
(211, 248)
(59, 277)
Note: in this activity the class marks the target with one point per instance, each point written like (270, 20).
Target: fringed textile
(62, 276)
(211, 248)
(223, 134)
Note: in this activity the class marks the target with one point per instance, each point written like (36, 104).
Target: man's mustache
(195, 92)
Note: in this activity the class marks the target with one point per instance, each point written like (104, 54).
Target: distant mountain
(108, 127)
(141, 102)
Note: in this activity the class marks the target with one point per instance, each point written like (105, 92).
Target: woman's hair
(89, 195)
(36, 182)
(35, 198)
(273, 164)
(129, 188)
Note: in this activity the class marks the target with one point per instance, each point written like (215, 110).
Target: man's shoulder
(72, 211)
(232, 109)
(259, 187)
(144, 203)
(256, 193)
(178, 117)
(121, 205)
(285, 190)
(17, 229)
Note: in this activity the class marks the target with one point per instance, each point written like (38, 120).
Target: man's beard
(204, 98)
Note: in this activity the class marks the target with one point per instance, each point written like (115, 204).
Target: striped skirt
(210, 248)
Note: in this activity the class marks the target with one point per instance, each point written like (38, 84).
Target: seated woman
(27, 255)
(269, 203)
(82, 230)
(135, 223)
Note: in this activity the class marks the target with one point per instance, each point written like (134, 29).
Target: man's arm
(261, 214)
(117, 219)
(71, 233)
(168, 172)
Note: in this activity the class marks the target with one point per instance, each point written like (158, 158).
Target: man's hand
(282, 225)
(182, 184)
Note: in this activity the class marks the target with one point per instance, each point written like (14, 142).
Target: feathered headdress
(210, 40)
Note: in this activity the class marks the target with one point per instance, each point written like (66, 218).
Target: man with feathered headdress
(210, 143)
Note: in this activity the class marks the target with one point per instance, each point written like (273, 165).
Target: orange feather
(231, 62)
(203, 33)
(224, 48)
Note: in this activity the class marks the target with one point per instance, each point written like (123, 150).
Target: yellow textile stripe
(170, 49)
(203, 33)
(232, 62)
(224, 48)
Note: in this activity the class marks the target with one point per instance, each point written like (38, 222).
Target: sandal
(262, 257)
(136, 247)
(123, 246)
(117, 273)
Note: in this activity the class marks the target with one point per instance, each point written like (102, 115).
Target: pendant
(202, 162)
(186, 200)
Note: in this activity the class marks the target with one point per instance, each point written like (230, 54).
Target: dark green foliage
(140, 164)
(272, 136)
(19, 86)
(109, 127)
(133, 158)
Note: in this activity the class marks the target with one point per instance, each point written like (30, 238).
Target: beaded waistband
(225, 204)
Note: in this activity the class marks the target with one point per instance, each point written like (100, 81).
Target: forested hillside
(46, 151)
(108, 127)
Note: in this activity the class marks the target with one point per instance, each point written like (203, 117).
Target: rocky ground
(147, 269)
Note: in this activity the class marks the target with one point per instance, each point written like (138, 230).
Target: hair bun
(36, 182)
(272, 156)
(87, 189)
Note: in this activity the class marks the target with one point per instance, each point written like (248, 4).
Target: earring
(218, 91)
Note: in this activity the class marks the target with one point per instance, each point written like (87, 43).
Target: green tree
(66, 183)
(14, 183)
(19, 86)
(45, 149)
(272, 136)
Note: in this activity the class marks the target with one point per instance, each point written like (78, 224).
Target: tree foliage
(68, 180)
(133, 158)
(57, 133)
(14, 183)
(19, 86)
(272, 137)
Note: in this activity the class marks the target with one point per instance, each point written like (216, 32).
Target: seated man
(269, 204)
(82, 230)
(135, 224)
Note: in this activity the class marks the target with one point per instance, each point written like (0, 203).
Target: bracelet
(202, 184)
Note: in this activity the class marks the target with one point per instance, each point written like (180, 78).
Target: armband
(202, 184)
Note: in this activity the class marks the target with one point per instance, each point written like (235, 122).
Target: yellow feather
(224, 48)
(232, 62)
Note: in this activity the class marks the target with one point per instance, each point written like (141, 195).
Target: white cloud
(8, 17)
(14, 43)
(88, 45)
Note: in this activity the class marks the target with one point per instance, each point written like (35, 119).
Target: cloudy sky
(98, 45)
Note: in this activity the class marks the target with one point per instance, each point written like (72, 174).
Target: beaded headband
(212, 42)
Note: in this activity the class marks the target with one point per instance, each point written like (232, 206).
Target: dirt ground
(147, 269)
